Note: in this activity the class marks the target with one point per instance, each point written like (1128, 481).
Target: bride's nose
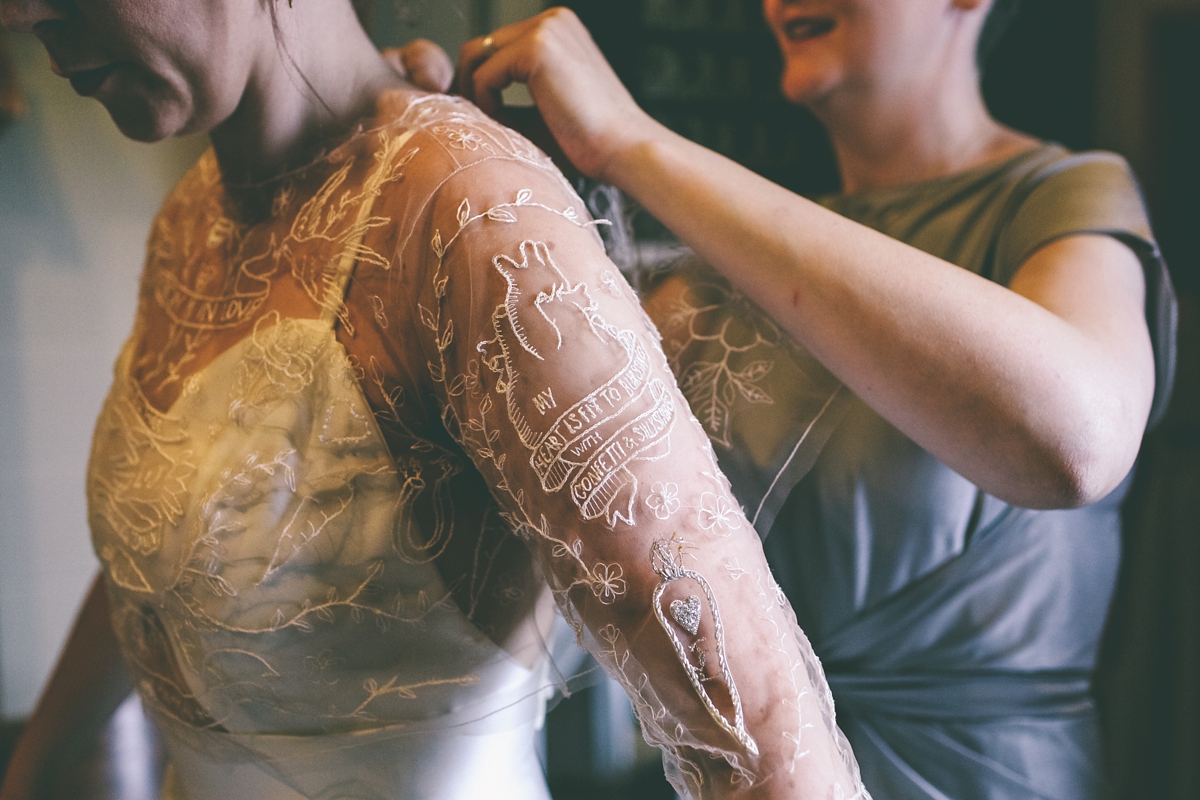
(19, 16)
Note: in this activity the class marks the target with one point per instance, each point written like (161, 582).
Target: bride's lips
(800, 29)
(87, 82)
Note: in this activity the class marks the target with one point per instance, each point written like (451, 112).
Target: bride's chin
(146, 117)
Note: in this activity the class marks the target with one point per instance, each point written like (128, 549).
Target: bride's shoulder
(451, 166)
(456, 131)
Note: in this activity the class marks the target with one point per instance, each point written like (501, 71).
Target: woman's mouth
(804, 28)
(88, 82)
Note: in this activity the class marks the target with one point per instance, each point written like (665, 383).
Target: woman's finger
(504, 67)
(393, 58)
(585, 107)
(428, 66)
(483, 48)
(423, 63)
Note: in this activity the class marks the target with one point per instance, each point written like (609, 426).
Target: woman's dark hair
(362, 10)
(999, 16)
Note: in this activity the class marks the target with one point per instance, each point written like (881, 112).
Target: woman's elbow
(1089, 465)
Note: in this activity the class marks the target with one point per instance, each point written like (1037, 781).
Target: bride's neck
(319, 82)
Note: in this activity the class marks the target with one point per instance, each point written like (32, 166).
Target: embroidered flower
(609, 635)
(609, 282)
(608, 582)
(462, 139)
(663, 499)
(718, 514)
(734, 569)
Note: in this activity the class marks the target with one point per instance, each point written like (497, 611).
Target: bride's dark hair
(362, 9)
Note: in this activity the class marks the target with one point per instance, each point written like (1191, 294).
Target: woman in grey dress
(1001, 317)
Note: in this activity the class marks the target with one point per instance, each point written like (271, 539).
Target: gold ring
(489, 46)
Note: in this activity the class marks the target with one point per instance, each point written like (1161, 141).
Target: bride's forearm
(778, 739)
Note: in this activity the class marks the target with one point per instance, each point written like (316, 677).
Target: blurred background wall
(1147, 80)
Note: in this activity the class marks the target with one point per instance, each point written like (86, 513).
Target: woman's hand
(423, 63)
(586, 108)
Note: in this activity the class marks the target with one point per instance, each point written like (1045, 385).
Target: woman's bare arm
(88, 684)
(1038, 393)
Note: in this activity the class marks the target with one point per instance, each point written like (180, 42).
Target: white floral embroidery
(663, 499)
(718, 514)
(610, 283)
(608, 582)
(734, 569)
(461, 139)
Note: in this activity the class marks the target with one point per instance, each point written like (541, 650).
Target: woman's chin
(141, 121)
(806, 86)
(803, 94)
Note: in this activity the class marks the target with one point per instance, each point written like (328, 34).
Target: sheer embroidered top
(357, 444)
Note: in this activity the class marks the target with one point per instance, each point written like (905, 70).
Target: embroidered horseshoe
(687, 614)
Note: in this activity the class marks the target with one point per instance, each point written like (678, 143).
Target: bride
(385, 403)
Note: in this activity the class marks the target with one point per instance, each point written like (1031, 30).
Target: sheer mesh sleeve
(553, 381)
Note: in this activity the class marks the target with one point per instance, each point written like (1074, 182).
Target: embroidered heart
(687, 613)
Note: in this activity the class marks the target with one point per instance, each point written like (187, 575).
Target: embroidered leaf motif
(464, 212)
(447, 336)
(524, 196)
(501, 215)
(752, 393)
(757, 370)
(746, 379)
(436, 244)
(427, 318)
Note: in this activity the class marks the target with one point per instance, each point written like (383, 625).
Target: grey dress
(959, 632)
